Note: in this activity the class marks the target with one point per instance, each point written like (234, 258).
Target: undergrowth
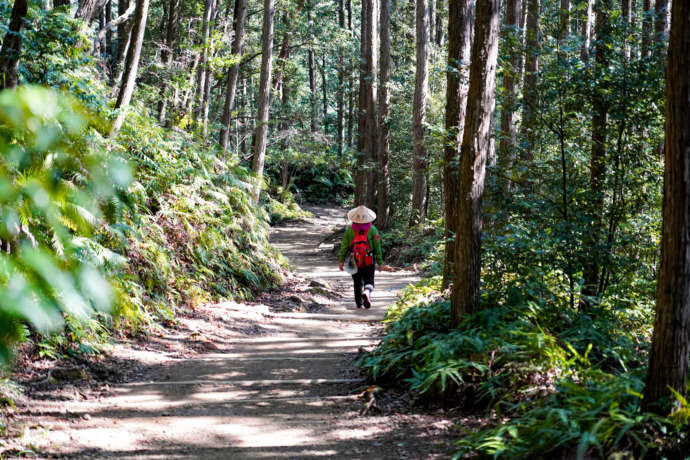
(178, 227)
(573, 387)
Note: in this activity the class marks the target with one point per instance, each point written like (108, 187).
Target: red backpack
(361, 250)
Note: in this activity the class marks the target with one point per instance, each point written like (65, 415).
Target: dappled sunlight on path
(293, 393)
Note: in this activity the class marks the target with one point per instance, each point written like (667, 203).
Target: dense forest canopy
(517, 148)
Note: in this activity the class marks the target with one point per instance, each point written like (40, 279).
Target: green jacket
(374, 243)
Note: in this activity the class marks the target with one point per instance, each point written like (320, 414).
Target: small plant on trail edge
(573, 388)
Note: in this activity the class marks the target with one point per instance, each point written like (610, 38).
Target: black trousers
(364, 276)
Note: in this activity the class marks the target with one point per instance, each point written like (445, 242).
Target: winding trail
(290, 393)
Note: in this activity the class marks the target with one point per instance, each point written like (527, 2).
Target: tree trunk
(586, 31)
(531, 109)
(129, 74)
(459, 47)
(365, 89)
(87, 8)
(626, 10)
(239, 18)
(508, 142)
(421, 88)
(203, 71)
(432, 19)
(646, 28)
(597, 167)
(439, 24)
(372, 120)
(661, 26)
(261, 131)
(12, 46)
(563, 19)
(340, 95)
(324, 90)
(668, 357)
(109, 51)
(122, 31)
(474, 151)
(167, 56)
(384, 100)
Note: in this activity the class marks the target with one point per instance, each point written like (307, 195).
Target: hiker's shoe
(366, 298)
(359, 307)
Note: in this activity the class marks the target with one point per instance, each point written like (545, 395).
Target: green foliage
(54, 190)
(194, 234)
(309, 176)
(558, 380)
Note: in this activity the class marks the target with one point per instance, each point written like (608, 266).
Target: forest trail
(291, 392)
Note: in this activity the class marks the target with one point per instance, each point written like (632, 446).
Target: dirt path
(290, 392)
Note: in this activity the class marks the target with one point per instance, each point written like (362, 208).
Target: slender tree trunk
(439, 23)
(350, 82)
(646, 28)
(340, 95)
(432, 19)
(261, 131)
(563, 19)
(350, 111)
(12, 46)
(460, 19)
(384, 100)
(122, 30)
(597, 167)
(324, 90)
(531, 109)
(474, 151)
(419, 171)
(626, 10)
(129, 75)
(203, 73)
(363, 105)
(586, 31)
(239, 18)
(508, 142)
(661, 26)
(167, 56)
(311, 65)
(109, 33)
(668, 357)
(372, 119)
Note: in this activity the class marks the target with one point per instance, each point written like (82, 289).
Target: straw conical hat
(361, 215)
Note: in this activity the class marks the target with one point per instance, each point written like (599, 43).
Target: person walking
(361, 247)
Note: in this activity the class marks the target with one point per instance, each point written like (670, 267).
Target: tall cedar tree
(597, 164)
(384, 99)
(203, 75)
(12, 46)
(473, 154)
(586, 31)
(366, 124)
(421, 88)
(239, 18)
(508, 142)
(668, 358)
(460, 19)
(261, 131)
(529, 125)
(372, 106)
(167, 54)
(129, 75)
(340, 96)
(661, 26)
